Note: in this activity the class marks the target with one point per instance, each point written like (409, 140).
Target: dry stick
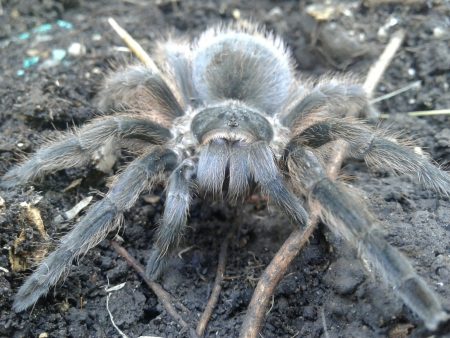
(280, 263)
(379, 67)
(133, 45)
(272, 275)
(214, 297)
(163, 296)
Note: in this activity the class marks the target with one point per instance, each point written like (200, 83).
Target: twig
(163, 296)
(379, 67)
(295, 242)
(214, 297)
(271, 277)
(133, 45)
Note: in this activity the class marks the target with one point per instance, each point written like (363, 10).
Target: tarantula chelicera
(221, 115)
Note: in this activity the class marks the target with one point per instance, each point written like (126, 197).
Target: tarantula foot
(442, 324)
(156, 264)
(29, 294)
(10, 180)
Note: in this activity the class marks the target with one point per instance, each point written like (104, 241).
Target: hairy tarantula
(220, 115)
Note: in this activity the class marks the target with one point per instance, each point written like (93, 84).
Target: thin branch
(163, 296)
(133, 45)
(217, 288)
(377, 70)
(280, 263)
(270, 278)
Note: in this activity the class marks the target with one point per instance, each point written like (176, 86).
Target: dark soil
(327, 291)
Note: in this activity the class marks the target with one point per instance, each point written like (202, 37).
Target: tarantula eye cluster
(228, 112)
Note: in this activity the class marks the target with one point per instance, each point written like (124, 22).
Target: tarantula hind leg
(377, 149)
(334, 98)
(76, 148)
(139, 87)
(347, 216)
(173, 222)
(100, 219)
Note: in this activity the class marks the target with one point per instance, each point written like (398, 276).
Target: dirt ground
(49, 83)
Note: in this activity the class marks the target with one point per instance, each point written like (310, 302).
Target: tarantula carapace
(221, 115)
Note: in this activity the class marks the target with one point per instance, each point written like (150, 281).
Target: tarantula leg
(139, 88)
(348, 217)
(173, 222)
(267, 175)
(77, 148)
(334, 98)
(100, 219)
(377, 150)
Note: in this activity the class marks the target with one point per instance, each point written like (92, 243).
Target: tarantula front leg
(77, 148)
(173, 222)
(377, 150)
(100, 219)
(348, 217)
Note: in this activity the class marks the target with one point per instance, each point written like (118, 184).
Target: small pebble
(58, 54)
(43, 28)
(64, 24)
(24, 36)
(438, 32)
(2, 202)
(32, 52)
(76, 49)
(31, 61)
(96, 37)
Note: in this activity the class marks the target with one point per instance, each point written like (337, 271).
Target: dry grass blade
(420, 113)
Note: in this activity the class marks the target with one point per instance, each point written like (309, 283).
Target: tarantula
(221, 115)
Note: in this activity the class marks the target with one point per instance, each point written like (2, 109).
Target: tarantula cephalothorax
(220, 115)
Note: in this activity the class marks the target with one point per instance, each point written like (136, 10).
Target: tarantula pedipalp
(224, 113)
